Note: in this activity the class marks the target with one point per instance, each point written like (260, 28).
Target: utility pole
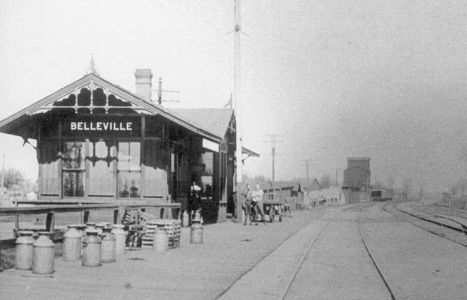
(160, 91)
(337, 180)
(273, 141)
(307, 173)
(238, 104)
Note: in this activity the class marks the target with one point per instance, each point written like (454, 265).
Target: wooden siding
(49, 181)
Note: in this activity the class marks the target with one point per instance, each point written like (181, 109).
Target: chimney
(144, 84)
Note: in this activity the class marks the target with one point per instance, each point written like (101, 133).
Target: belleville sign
(88, 126)
(101, 126)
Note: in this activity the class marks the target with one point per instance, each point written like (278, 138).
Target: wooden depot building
(99, 142)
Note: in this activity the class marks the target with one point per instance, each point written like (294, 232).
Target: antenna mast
(237, 88)
(160, 91)
(238, 105)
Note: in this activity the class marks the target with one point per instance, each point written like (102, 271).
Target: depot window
(129, 169)
(207, 160)
(73, 169)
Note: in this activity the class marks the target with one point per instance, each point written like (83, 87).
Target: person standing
(258, 200)
(247, 198)
(195, 200)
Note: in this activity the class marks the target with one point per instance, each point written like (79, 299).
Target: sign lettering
(98, 127)
(101, 126)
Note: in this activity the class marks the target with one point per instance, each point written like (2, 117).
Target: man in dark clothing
(247, 197)
(195, 200)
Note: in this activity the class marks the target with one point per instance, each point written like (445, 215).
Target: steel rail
(302, 260)
(375, 264)
(428, 221)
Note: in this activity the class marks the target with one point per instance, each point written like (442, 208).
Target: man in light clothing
(258, 196)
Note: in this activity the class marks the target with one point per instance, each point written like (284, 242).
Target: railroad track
(306, 254)
(359, 207)
(375, 264)
(286, 283)
(426, 224)
(378, 269)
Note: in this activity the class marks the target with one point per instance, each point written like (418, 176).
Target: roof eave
(117, 90)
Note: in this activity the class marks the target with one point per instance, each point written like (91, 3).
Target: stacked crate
(171, 226)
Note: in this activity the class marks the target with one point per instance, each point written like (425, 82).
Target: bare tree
(260, 179)
(14, 177)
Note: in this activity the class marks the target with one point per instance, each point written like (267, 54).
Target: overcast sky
(332, 79)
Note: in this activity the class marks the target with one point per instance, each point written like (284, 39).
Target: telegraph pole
(160, 91)
(307, 173)
(238, 104)
(337, 179)
(273, 141)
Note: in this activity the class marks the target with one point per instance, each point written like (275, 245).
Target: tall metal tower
(237, 89)
(238, 104)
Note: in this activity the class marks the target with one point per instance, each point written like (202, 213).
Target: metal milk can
(108, 246)
(90, 225)
(161, 240)
(24, 250)
(197, 215)
(43, 254)
(100, 229)
(82, 229)
(72, 243)
(92, 249)
(185, 219)
(196, 232)
(120, 238)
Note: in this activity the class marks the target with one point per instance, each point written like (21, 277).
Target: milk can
(196, 232)
(161, 240)
(90, 225)
(92, 249)
(197, 215)
(108, 246)
(72, 243)
(120, 238)
(100, 227)
(43, 254)
(185, 219)
(24, 250)
(82, 229)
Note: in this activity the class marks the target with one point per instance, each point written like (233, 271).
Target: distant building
(314, 186)
(357, 179)
(281, 190)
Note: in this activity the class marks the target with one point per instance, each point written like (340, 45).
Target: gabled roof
(358, 158)
(249, 152)
(359, 167)
(10, 124)
(215, 120)
(314, 185)
(281, 185)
